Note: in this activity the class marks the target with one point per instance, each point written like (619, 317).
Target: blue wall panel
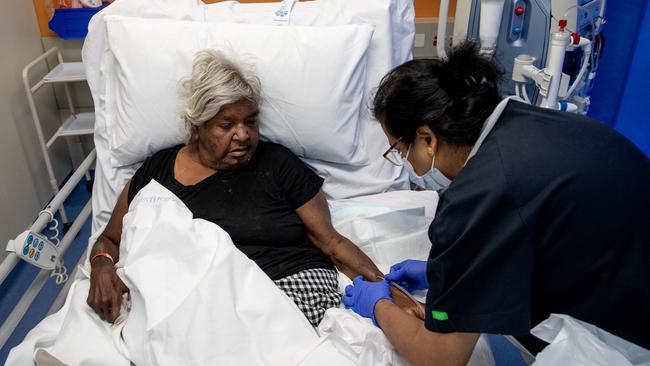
(619, 33)
(633, 118)
(618, 95)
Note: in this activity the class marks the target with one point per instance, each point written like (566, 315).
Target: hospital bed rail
(9, 263)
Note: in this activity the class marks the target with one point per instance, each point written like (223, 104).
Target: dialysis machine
(548, 48)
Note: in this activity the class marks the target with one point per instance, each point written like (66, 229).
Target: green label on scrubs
(439, 315)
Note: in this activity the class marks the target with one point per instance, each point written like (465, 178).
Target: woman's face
(229, 140)
(421, 150)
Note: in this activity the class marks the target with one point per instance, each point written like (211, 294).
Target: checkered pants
(313, 290)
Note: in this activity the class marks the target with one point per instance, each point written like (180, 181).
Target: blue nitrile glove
(410, 274)
(362, 296)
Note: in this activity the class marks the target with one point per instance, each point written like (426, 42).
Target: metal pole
(32, 291)
(442, 29)
(67, 90)
(42, 220)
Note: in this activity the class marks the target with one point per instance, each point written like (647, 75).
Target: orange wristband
(102, 254)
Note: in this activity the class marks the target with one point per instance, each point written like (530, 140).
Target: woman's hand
(106, 289)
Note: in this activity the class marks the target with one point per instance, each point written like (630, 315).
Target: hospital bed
(368, 196)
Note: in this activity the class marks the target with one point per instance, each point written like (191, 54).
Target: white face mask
(433, 180)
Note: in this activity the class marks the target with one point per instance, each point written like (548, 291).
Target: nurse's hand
(105, 294)
(410, 274)
(362, 296)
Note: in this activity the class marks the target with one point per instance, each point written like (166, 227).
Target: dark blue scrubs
(552, 215)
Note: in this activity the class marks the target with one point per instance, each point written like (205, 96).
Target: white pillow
(391, 43)
(312, 97)
(390, 46)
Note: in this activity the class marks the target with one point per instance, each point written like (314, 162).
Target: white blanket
(195, 300)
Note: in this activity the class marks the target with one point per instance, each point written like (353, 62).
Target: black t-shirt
(552, 215)
(256, 205)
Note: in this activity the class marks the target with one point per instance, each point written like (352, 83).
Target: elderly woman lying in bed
(267, 200)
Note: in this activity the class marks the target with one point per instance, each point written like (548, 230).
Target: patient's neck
(188, 168)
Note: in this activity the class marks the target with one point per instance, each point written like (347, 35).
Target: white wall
(24, 185)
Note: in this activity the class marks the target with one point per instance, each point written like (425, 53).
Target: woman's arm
(109, 240)
(106, 288)
(347, 257)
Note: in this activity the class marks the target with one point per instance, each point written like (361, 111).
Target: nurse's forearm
(417, 344)
(401, 329)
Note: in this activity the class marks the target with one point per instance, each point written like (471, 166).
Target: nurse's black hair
(453, 96)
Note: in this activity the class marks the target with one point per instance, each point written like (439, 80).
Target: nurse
(540, 212)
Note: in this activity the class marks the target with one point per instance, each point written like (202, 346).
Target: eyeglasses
(393, 155)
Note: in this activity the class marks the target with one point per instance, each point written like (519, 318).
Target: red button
(575, 38)
(519, 10)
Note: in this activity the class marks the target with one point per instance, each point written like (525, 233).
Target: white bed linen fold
(75, 335)
(197, 297)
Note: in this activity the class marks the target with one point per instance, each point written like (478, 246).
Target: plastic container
(72, 23)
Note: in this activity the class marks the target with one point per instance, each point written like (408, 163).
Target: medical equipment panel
(523, 29)
(585, 18)
(526, 28)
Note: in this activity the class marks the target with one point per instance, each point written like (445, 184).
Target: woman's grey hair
(216, 81)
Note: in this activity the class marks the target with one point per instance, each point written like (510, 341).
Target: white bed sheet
(388, 227)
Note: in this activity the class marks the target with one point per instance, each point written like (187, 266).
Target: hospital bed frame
(9, 263)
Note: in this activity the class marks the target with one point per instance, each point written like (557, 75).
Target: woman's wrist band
(102, 254)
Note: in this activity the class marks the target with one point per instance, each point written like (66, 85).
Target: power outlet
(419, 40)
(426, 37)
